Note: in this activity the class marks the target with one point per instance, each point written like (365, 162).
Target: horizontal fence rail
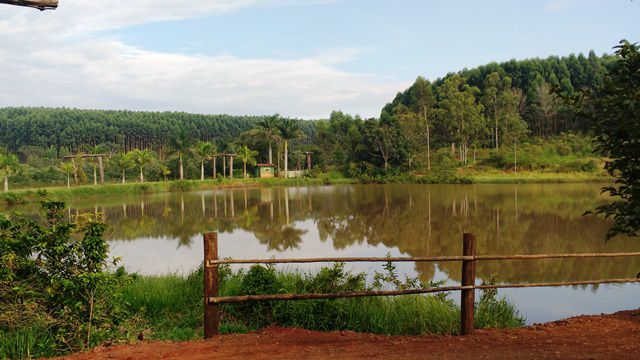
(467, 286)
(243, 298)
(420, 258)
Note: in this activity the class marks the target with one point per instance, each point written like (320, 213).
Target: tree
(269, 129)
(67, 168)
(94, 162)
(247, 156)
(181, 142)
(384, 140)
(424, 100)
(165, 172)
(123, 162)
(615, 112)
(462, 113)
(142, 158)
(9, 166)
(202, 151)
(289, 130)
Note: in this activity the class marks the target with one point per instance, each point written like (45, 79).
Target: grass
(171, 305)
(21, 196)
(495, 177)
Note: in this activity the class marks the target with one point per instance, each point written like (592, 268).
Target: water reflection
(414, 220)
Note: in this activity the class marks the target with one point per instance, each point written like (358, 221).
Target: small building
(265, 170)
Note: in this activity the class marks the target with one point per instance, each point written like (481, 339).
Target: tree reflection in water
(416, 220)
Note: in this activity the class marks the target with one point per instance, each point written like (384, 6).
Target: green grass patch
(170, 306)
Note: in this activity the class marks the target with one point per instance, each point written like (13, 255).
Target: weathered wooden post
(231, 165)
(211, 311)
(468, 279)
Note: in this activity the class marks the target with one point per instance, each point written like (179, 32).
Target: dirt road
(614, 336)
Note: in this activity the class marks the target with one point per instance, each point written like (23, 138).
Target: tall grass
(171, 305)
(26, 343)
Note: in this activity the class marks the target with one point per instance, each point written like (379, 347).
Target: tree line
(495, 106)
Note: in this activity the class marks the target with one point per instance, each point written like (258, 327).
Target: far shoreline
(27, 195)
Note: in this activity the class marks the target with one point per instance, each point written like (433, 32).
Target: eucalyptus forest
(472, 118)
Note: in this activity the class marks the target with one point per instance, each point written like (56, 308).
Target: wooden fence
(467, 286)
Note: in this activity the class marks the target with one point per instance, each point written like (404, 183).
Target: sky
(299, 58)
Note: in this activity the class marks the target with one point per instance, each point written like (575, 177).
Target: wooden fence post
(468, 279)
(211, 311)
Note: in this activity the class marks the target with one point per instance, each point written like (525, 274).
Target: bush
(56, 284)
(181, 185)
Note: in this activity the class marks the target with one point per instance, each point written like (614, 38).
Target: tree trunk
(224, 166)
(101, 168)
(6, 184)
(270, 154)
(497, 146)
(428, 140)
(515, 156)
(202, 170)
(141, 175)
(286, 159)
(123, 178)
(244, 169)
(214, 168)
(75, 171)
(68, 180)
(181, 168)
(230, 167)
(95, 175)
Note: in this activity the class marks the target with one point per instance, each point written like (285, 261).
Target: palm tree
(181, 142)
(9, 165)
(247, 156)
(202, 151)
(214, 157)
(142, 158)
(289, 130)
(165, 171)
(94, 162)
(67, 168)
(123, 162)
(269, 129)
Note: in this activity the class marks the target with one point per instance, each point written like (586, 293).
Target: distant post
(211, 311)
(468, 279)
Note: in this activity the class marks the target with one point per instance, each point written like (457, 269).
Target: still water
(161, 233)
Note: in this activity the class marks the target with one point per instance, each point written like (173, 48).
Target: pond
(162, 233)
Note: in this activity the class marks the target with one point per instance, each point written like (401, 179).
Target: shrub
(181, 185)
(56, 284)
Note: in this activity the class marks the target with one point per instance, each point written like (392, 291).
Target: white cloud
(58, 59)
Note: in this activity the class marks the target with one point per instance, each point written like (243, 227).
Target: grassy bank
(537, 177)
(471, 177)
(63, 193)
(170, 306)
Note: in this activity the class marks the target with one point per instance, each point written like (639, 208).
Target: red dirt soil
(614, 336)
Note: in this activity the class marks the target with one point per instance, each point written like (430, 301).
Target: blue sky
(298, 58)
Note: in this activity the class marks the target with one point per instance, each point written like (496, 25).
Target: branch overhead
(37, 4)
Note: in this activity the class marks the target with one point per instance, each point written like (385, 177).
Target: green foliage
(615, 110)
(181, 185)
(56, 283)
(398, 315)
(492, 312)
